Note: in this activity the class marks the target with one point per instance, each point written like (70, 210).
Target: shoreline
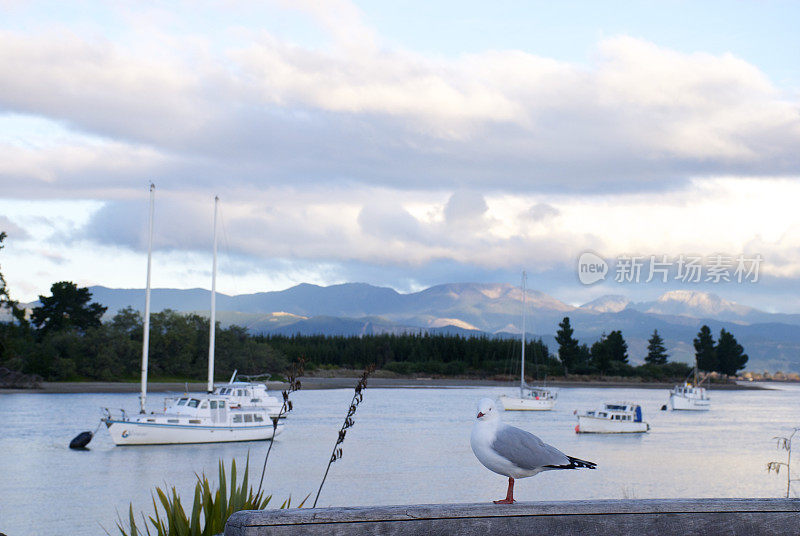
(316, 382)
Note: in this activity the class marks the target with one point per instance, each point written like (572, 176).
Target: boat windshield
(182, 401)
(193, 403)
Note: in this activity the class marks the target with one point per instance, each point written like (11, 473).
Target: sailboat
(236, 411)
(690, 396)
(530, 398)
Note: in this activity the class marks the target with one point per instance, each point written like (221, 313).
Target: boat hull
(515, 403)
(137, 433)
(689, 404)
(593, 425)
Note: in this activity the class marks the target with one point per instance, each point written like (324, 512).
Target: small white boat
(612, 418)
(690, 396)
(530, 398)
(237, 411)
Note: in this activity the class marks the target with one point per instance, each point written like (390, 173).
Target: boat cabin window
(221, 404)
(255, 400)
(204, 405)
(239, 392)
(213, 404)
(603, 414)
(248, 417)
(237, 418)
(258, 418)
(193, 403)
(182, 401)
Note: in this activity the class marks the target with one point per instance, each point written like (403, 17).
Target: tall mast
(213, 305)
(522, 372)
(146, 327)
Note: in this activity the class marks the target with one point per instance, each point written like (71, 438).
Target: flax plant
(210, 509)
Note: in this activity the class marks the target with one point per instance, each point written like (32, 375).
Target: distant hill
(469, 309)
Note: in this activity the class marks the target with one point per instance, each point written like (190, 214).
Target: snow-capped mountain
(611, 303)
(697, 305)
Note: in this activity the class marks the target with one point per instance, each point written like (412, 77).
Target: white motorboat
(530, 398)
(612, 418)
(237, 411)
(690, 396)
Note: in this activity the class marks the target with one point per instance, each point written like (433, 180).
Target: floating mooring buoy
(81, 440)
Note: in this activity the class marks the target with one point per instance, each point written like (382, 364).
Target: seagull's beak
(480, 414)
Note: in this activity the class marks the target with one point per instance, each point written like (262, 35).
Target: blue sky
(402, 144)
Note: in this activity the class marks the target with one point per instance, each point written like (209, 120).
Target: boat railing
(109, 416)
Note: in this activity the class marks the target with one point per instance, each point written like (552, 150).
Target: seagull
(512, 452)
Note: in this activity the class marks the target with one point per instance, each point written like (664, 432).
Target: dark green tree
(568, 346)
(730, 354)
(704, 351)
(656, 351)
(68, 308)
(617, 347)
(600, 356)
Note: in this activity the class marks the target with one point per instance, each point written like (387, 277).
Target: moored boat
(690, 396)
(530, 398)
(612, 418)
(237, 411)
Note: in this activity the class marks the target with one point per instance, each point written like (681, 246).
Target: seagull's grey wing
(527, 451)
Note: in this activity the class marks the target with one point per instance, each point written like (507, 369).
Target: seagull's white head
(487, 410)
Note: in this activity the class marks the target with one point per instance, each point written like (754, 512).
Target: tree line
(609, 354)
(65, 339)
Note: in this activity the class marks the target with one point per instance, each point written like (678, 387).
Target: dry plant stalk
(295, 372)
(358, 397)
(785, 443)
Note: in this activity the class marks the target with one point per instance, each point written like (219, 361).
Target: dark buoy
(81, 440)
(664, 407)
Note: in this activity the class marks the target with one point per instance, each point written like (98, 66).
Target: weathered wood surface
(620, 517)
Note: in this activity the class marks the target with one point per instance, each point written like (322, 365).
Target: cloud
(12, 230)
(465, 207)
(258, 109)
(542, 211)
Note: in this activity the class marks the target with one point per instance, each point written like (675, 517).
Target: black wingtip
(581, 464)
(574, 463)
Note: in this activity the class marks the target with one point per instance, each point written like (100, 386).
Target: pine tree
(600, 355)
(568, 346)
(704, 350)
(730, 354)
(617, 347)
(656, 351)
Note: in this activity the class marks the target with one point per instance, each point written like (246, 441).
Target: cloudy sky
(402, 144)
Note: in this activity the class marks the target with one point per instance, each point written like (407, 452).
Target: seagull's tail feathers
(574, 463)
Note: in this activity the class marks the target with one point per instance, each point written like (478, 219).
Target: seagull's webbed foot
(509, 494)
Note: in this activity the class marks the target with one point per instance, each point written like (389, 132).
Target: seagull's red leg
(509, 494)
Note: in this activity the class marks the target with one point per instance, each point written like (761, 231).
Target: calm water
(408, 446)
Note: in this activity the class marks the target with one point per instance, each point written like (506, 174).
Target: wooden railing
(574, 518)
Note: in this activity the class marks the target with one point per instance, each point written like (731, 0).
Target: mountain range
(771, 340)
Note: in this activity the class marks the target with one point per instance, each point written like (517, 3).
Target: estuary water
(408, 446)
